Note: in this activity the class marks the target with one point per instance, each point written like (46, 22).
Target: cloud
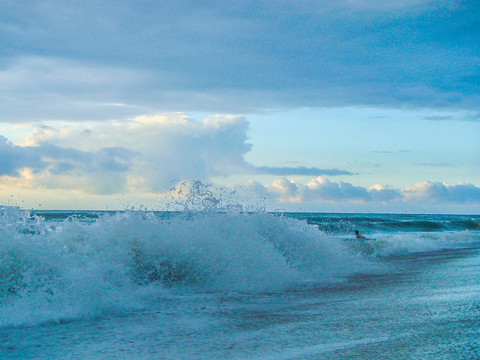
(14, 158)
(53, 166)
(153, 153)
(285, 190)
(474, 116)
(233, 56)
(383, 193)
(433, 191)
(149, 153)
(301, 170)
(48, 88)
(322, 190)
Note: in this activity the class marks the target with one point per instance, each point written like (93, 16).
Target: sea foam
(55, 270)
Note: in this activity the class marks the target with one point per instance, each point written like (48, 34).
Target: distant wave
(338, 223)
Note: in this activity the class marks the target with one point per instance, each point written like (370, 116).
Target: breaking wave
(67, 265)
(52, 269)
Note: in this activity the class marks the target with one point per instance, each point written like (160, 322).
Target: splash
(196, 196)
(54, 269)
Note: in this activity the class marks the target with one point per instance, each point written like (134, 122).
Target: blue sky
(349, 105)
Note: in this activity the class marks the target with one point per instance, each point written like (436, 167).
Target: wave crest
(52, 269)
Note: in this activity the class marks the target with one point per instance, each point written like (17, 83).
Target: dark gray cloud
(107, 58)
(55, 163)
(13, 158)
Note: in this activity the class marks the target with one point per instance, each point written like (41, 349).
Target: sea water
(238, 285)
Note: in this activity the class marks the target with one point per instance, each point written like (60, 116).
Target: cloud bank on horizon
(100, 60)
(160, 152)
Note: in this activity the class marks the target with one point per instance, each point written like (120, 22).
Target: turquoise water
(208, 285)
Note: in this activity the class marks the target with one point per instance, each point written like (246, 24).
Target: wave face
(62, 265)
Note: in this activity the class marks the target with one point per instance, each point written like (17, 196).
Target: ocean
(238, 285)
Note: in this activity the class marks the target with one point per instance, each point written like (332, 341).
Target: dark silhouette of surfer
(358, 236)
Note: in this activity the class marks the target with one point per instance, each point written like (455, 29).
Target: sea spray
(228, 284)
(54, 270)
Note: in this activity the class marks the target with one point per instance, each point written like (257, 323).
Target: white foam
(59, 270)
(418, 242)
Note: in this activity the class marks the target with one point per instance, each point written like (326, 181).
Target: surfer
(358, 236)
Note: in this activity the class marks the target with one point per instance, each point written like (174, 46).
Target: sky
(328, 106)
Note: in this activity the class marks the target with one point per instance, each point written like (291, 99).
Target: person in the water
(358, 236)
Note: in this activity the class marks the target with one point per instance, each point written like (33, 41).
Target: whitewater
(238, 285)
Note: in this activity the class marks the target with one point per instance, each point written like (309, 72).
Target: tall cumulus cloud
(149, 153)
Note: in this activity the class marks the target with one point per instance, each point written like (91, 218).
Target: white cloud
(149, 152)
(383, 193)
(434, 191)
(284, 190)
(322, 190)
